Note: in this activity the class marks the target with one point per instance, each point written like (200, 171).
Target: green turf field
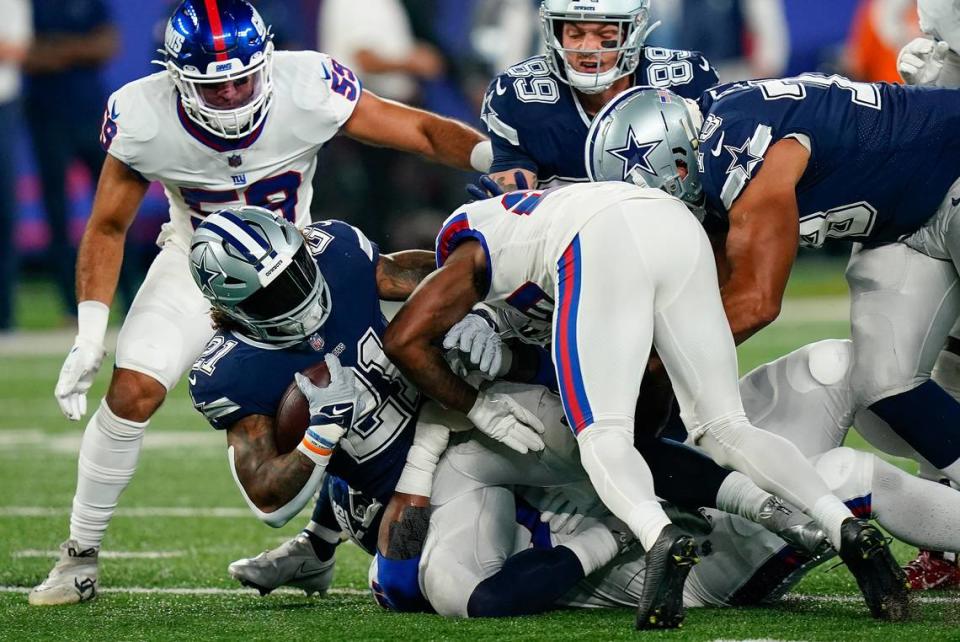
(182, 521)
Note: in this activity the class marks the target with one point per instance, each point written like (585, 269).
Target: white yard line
(827, 599)
(120, 555)
(195, 591)
(151, 511)
(69, 442)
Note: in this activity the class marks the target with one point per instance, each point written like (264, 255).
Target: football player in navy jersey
(538, 111)
(283, 300)
(792, 162)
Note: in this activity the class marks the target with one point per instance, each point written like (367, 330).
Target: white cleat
(72, 580)
(293, 563)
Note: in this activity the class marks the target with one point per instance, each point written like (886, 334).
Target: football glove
(920, 62)
(342, 402)
(476, 336)
(84, 359)
(565, 507)
(500, 417)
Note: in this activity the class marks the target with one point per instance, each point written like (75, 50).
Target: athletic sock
(529, 582)
(928, 419)
(740, 496)
(109, 452)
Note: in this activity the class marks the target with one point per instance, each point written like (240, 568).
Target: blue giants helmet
(219, 54)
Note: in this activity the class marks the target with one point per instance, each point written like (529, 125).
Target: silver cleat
(293, 563)
(72, 580)
(793, 526)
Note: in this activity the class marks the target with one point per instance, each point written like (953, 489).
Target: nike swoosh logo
(955, 201)
(192, 380)
(718, 149)
(705, 64)
(341, 410)
(302, 572)
(500, 90)
(113, 111)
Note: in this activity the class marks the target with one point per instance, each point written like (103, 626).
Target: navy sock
(529, 582)
(323, 516)
(682, 475)
(928, 419)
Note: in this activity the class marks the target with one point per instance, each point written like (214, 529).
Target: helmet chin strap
(592, 83)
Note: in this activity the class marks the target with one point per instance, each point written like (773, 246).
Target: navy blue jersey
(882, 156)
(236, 377)
(535, 121)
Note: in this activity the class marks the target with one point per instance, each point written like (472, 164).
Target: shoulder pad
(732, 151)
(132, 112)
(320, 88)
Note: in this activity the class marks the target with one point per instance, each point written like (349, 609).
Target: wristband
(319, 442)
(92, 317)
(481, 158)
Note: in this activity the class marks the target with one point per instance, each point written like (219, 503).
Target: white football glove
(76, 376)
(342, 402)
(565, 507)
(920, 62)
(475, 335)
(500, 417)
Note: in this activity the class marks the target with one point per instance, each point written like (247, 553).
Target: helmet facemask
(632, 31)
(291, 307)
(200, 100)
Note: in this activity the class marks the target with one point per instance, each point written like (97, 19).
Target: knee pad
(829, 361)
(849, 474)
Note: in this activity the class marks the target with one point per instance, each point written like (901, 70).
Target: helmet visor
(287, 293)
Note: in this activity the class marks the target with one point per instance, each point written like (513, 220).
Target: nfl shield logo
(316, 342)
(235, 160)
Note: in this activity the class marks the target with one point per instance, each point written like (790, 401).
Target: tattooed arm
(508, 180)
(269, 480)
(399, 274)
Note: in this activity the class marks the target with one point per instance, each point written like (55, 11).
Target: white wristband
(429, 442)
(92, 317)
(481, 158)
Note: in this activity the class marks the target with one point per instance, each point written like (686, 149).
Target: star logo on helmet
(743, 158)
(205, 276)
(635, 154)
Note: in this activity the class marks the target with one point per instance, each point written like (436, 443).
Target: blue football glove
(486, 187)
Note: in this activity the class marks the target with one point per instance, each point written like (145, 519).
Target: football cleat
(881, 580)
(793, 526)
(667, 564)
(293, 563)
(931, 571)
(72, 580)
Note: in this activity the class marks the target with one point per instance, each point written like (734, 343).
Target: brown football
(293, 415)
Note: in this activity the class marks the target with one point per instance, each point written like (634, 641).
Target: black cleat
(882, 582)
(667, 566)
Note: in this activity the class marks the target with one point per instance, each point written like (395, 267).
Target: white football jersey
(524, 235)
(146, 128)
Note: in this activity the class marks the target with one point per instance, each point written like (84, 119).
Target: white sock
(594, 546)
(324, 533)
(740, 496)
(777, 466)
(917, 511)
(109, 452)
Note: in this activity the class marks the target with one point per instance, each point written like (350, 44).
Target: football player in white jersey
(229, 121)
(607, 270)
(805, 397)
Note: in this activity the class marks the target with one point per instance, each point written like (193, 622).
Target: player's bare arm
(386, 123)
(763, 240)
(271, 480)
(399, 274)
(508, 180)
(119, 194)
(412, 339)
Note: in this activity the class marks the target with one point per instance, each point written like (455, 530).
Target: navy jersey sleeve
(686, 73)
(732, 148)
(502, 116)
(350, 241)
(222, 388)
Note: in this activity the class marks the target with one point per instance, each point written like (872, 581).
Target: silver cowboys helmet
(256, 268)
(631, 16)
(648, 137)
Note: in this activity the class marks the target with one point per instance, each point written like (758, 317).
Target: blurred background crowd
(60, 60)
